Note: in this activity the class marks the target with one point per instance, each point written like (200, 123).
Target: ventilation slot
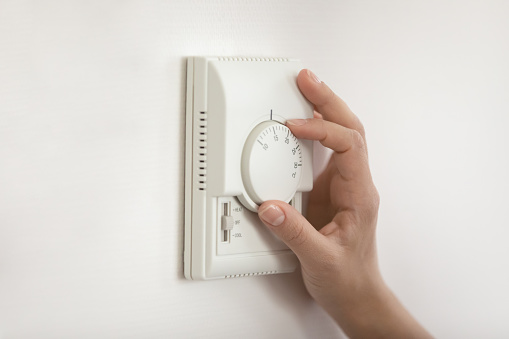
(252, 59)
(201, 151)
(249, 274)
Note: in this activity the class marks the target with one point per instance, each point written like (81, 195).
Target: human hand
(338, 254)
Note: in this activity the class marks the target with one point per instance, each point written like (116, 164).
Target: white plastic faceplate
(226, 99)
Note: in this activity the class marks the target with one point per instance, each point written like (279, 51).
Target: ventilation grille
(249, 274)
(201, 151)
(252, 59)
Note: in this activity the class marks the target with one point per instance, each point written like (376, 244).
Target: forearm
(374, 312)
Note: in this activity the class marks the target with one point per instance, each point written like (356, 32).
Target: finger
(336, 137)
(317, 115)
(319, 211)
(348, 144)
(294, 230)
(332, 107)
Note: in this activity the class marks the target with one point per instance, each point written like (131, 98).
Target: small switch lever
(227, 221)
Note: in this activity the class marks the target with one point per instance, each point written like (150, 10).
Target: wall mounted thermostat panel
(239, 153)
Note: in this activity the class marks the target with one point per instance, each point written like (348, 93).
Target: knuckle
(360, 127)
(368, 212)
(357, 139)
(372, 202)
(376, 199)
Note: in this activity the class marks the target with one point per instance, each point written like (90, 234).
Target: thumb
(293, 229)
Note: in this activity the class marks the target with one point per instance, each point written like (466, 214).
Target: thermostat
(239, 153)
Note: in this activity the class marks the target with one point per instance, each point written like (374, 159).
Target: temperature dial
(271, 165)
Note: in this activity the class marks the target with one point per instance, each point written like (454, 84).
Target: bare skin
(336, 245)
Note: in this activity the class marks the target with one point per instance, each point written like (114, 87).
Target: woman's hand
(338, 254)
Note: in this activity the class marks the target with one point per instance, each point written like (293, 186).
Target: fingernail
(313, 76)
(272, 215)
(297, 122)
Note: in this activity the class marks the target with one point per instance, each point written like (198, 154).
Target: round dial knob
(271, 163)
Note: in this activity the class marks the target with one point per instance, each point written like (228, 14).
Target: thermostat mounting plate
(236, 109)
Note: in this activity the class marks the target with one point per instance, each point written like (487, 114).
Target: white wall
(92, 149)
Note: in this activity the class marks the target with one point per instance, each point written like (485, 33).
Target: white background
(92, 149)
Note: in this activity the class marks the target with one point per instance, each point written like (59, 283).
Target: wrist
(363, 298)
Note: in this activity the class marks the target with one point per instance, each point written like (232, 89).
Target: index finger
(348, 144)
